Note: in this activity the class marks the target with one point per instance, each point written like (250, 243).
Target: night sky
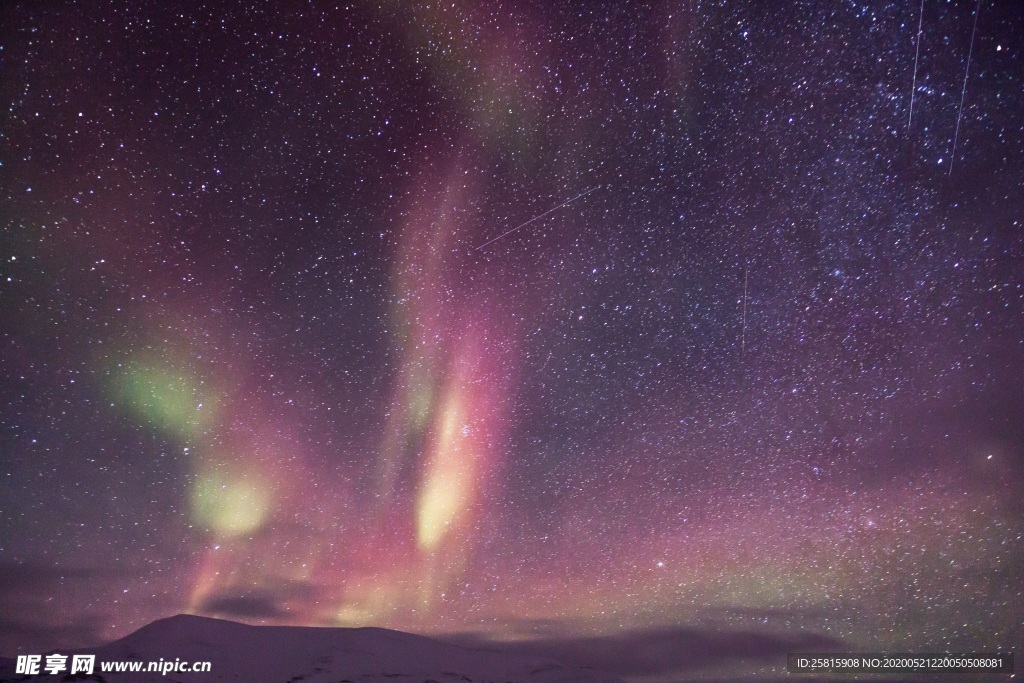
(563, 320)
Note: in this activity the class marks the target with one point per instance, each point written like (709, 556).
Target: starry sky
(573, 322)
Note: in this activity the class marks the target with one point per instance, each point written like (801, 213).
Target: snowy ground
(285, 654)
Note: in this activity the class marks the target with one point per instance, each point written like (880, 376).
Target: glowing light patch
(230, 508)
(352, 615)
(448, 487)
(419, 405)
(173, 401)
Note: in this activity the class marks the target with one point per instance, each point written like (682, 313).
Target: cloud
(244, 607)
(270, 602)
(18, 579)
(667, 650)
(24, 589)
(21, 633)
(84, 630)
(29, 593)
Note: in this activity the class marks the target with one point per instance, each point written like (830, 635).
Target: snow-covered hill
(292, 654)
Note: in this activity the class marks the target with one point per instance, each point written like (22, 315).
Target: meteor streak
(535, 218)
(963, 93)
(917, 53)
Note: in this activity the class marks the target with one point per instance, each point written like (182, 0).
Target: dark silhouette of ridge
(304, 654)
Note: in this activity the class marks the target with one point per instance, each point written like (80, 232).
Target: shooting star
(917, 53)
(963, 93)
(743, 342)
(537, 218)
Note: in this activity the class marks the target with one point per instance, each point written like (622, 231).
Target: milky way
(525, 321)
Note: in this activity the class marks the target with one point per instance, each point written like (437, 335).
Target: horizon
(586, 324)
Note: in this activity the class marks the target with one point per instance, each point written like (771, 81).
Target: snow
(295, 654)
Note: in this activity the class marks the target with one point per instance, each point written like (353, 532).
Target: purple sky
(300, 325)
